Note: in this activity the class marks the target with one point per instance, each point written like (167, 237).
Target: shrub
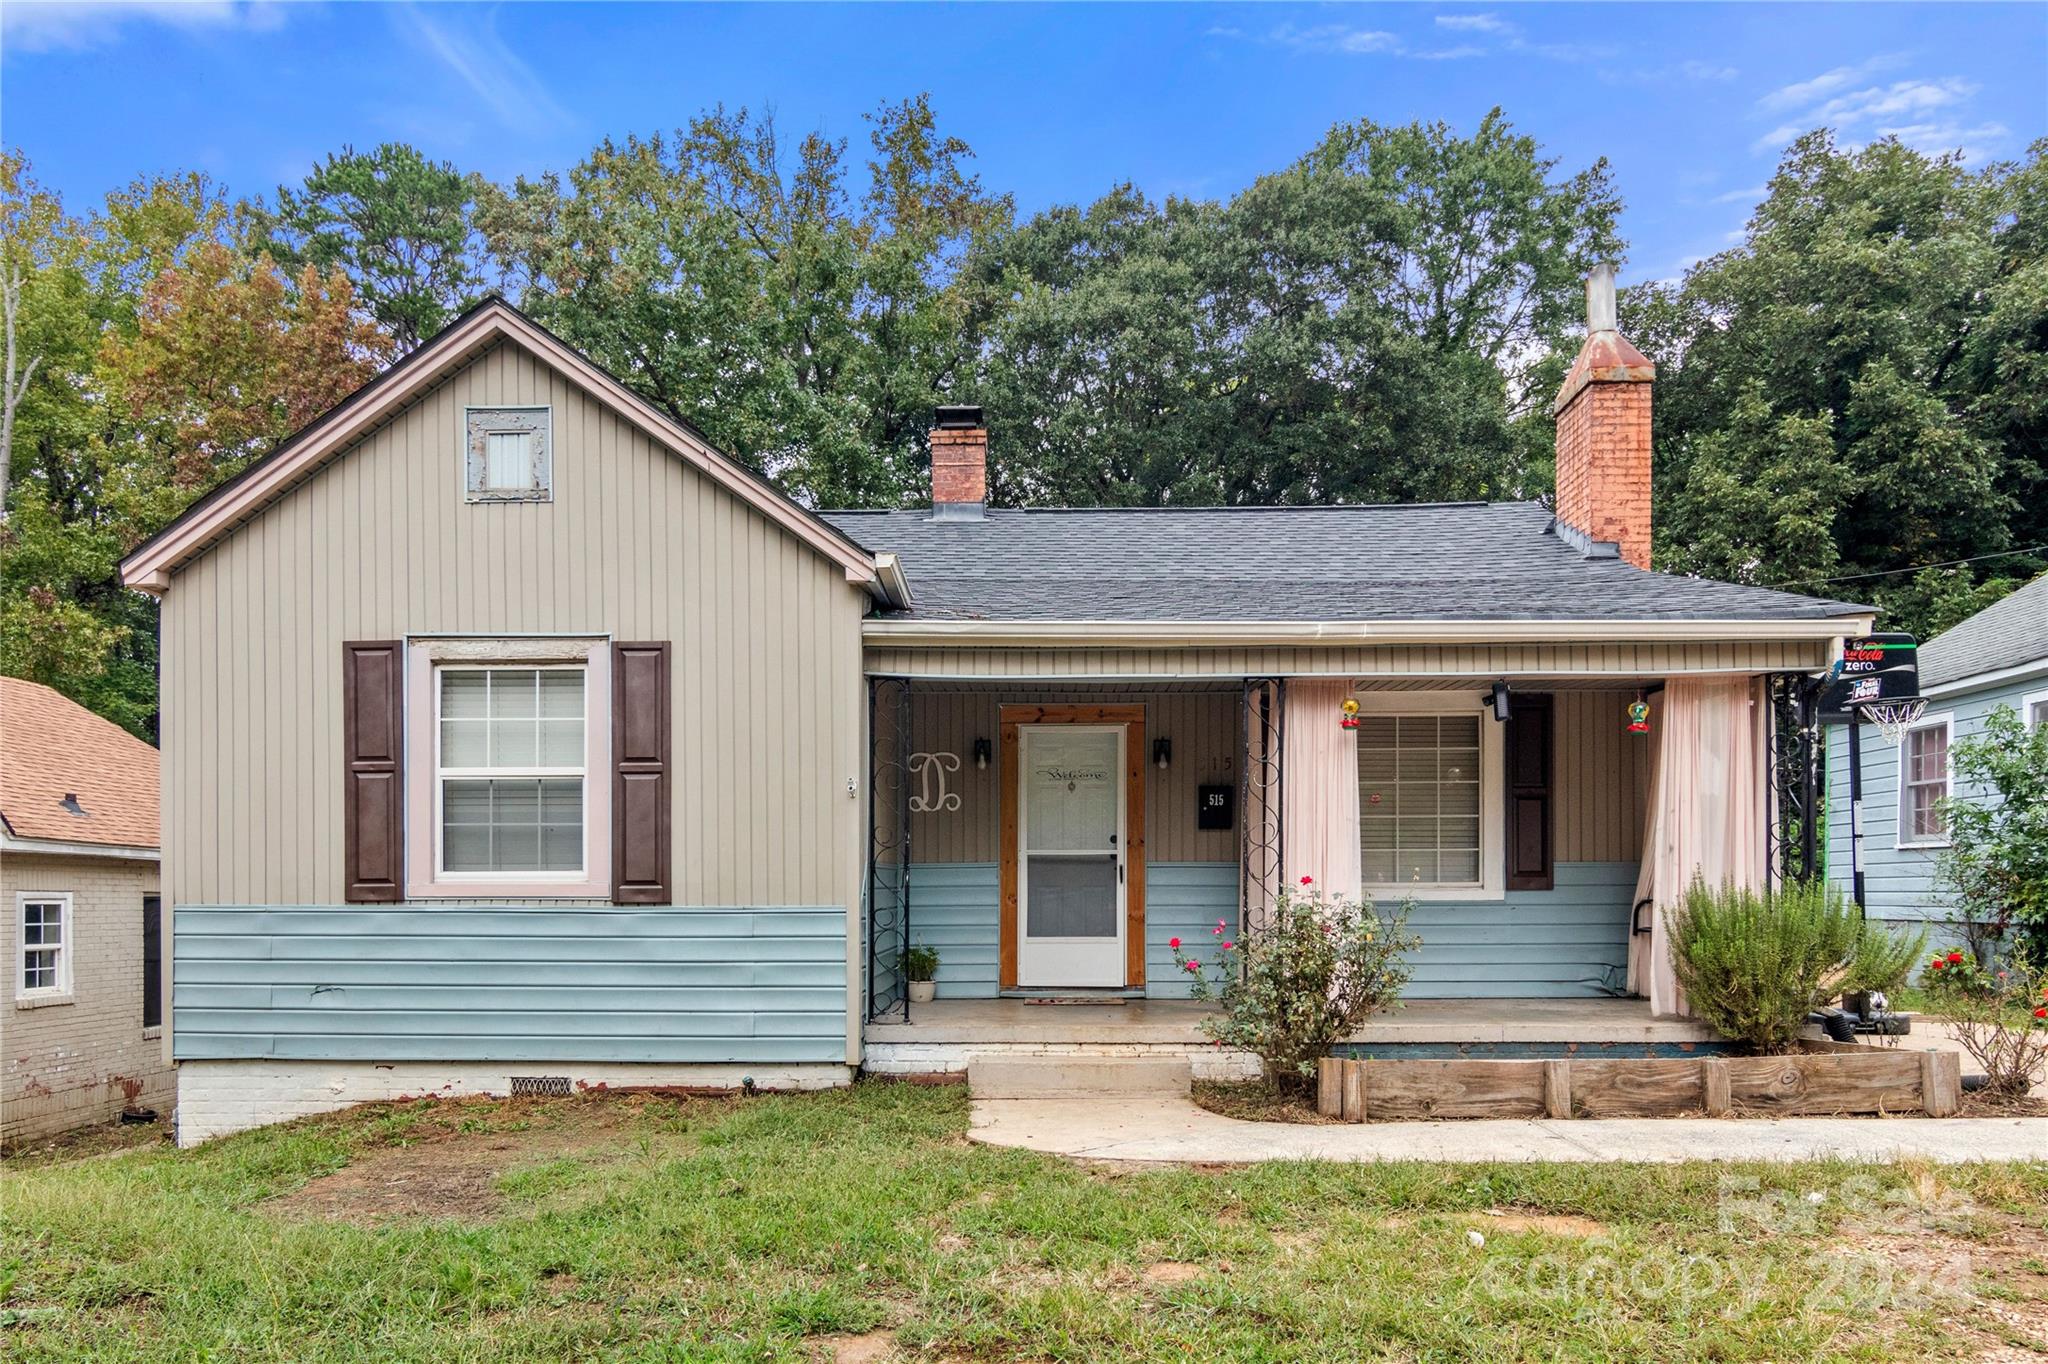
(1999, 1016)
(1882, 959)
(1995, 868)
(921, 963)
(1755, 965)
(1303, 979)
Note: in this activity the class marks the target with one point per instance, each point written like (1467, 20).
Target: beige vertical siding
(1603, 778)
(636, 544)
(1202, 726)
(1647, 659)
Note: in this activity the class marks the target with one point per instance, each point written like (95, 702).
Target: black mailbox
(1215, 806)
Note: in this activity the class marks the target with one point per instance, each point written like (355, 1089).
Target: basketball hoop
(1893, 717)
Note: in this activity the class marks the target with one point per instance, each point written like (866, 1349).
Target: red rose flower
(1955, 956)
(1194, 966)
(2041, 1012)
(1174, 943)
(1939, 963)
(1308, 880)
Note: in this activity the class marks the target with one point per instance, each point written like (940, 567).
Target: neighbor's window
(1419, 799)
(2037, 710)
(45, 921)
(510, 775)
(1923, 762)
(510, 456)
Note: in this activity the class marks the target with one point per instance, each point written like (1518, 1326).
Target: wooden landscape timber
(1806, 1084)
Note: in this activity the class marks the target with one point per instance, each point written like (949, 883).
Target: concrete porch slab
(1149, 1022)
(1175, 1130)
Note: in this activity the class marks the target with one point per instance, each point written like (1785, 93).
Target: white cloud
(1448, 54)
(1848, 112)
(481, 60)
(1741, 196)
(77, 25)
(1473, 23)
(1803, 93)
(1977, 144)
(1335, 38)
(1707, 71)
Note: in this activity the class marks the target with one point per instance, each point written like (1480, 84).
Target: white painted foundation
(1208, 1061)
(216, 1098)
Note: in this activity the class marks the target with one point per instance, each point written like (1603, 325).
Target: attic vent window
(509, 455)
(70, 802)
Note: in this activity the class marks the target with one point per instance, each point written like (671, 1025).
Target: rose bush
(1302, 978)
(1999, 1015)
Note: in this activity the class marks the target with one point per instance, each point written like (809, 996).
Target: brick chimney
(1603, 437)
(959, 464)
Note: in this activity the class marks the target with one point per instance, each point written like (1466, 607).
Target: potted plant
(921, 965)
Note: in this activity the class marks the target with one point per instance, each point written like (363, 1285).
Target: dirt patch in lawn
(873, 1347)
(447, 1158)
(1550, 1224)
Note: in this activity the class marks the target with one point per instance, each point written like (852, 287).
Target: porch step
(1076, 1077)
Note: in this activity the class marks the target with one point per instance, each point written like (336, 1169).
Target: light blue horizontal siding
(1532, 944)
(1184, 900)
(955, 908)
(1899, 883)
(1557, 943)
(510, 983)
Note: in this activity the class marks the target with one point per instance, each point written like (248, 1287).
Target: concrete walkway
(1148, 1128)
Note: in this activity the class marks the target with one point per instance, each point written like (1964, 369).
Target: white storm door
(1071, 923)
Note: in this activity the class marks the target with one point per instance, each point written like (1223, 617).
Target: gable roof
(1461, 561)
(149, 565)
(52, 747)
(2012, 632)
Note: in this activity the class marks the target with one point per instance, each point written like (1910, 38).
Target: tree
(399, 226)
(803, 332)
(1854, 391)
(1372, 323)
(31, 226)
(1995, 868)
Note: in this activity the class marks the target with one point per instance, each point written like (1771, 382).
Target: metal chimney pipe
(1600, 298)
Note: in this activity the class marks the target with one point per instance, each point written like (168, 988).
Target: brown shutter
(640, 774)
(373, 771)
(1529, 781)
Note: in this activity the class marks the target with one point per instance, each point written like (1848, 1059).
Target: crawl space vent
(540, 1086)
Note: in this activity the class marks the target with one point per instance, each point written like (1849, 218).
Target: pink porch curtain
(1706, 813)
(1319, 765)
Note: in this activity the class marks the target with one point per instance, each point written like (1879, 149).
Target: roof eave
(1196, 634)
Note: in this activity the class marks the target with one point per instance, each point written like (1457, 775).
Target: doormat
(1097, 1002)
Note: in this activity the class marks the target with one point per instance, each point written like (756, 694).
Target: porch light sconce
(1162, 753)
(981, 755)
(1497, 696)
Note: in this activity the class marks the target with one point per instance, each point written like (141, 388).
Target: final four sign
(1873, 668)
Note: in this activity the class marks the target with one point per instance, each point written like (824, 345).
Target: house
(81, 1013)
(1998, 657)
(517, 739)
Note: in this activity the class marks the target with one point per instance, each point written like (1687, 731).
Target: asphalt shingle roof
(2009, 633)
(1438, 561)
(51, 747)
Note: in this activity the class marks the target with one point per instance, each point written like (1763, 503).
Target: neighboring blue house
(1998, 657)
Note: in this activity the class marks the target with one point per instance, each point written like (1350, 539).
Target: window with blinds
(1418, 799)
(1923, 762)
(510, 456)
(511, 771)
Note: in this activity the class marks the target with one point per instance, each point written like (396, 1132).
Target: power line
(1915, 568)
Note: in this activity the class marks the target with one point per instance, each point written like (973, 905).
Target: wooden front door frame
(1132, 718)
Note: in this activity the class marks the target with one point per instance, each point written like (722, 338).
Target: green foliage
(1301, 978)
(1882, 959)
(1856, 388)
(1995, 868)
(921, 963)
(399, 226)
(1369, 324)
(1753, 966)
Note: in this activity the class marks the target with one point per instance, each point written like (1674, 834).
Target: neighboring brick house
(81, 1009)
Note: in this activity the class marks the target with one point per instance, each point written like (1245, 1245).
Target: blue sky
(1691, 103)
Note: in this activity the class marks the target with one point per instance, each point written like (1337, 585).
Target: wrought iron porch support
(888, 887)
(1262, 854)
(1793, 833)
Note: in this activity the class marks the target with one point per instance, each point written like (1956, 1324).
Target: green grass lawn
(856, 1223)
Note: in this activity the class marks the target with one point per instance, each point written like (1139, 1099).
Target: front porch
(943, 1036)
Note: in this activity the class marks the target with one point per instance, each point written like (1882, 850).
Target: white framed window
(44, 934)
(1923, 781)
(508, 768)
(1430, 797)
(510, 772)
(2034, 709)
(508, 454)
